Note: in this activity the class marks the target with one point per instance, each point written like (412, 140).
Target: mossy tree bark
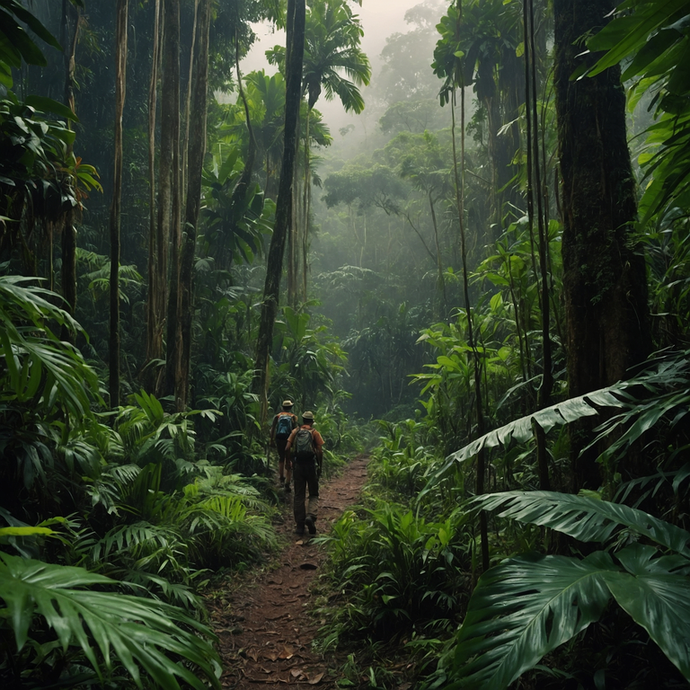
(604, 276)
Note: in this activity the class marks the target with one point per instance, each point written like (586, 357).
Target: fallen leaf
(296, 673)
(316, 679)
(287, 653)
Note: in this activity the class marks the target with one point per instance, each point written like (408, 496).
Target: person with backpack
(283, 424)
(305, 449)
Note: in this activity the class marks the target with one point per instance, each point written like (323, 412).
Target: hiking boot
(299, 530)
(310, 522)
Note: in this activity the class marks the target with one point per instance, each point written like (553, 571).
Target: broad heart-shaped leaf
(656, 594)
(582, 517)
(521, 610)
(141, 632)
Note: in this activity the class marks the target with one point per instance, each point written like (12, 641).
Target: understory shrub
(399, 574)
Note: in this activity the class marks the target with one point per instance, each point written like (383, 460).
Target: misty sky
(380, 19)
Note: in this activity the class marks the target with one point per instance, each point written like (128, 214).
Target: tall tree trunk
(459, 179)
(534, 182)
(169, 210)
(443, 307)
(274, 264)
(115, 208)
(604, 277)
(195, 157)
(70, 35)
(242, 185)
(306, 198)
(154, 333)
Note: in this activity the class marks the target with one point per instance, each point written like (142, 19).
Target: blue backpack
(284, 426)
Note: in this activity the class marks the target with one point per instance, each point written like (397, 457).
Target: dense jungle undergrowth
(485, 293)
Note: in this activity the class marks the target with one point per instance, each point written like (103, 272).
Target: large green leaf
(522, 429)
(141, 633)
(628, 34)
(656, 594)
(582, 517)
(523, 609)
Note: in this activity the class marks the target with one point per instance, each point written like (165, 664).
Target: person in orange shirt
(305, 450)
(283, 424)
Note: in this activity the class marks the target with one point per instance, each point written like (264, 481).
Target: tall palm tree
(274, 263)
(333, 61)
(335, 65)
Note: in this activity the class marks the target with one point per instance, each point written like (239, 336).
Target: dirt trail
(264, 625)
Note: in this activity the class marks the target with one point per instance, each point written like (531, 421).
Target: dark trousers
(304, 477)
(283, 461)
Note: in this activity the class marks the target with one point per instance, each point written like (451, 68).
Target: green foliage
(332, 46)
(235, 224)
(16, 45)
(400, 572)
(400, 463)
(657, 38)
(45, 602)
(45, 404)
(37, 366)
(308, 362)
(528, 605)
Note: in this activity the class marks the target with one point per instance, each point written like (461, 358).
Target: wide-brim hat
(308, 415)
(287, 403)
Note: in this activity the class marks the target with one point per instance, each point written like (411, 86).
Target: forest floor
(265, 618)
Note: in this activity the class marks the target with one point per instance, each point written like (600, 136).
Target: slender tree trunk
(534, 182)
(479, 406)
(439, 261)
(604, 277)
(305, 207)
(195, 157)
(245, 179)
(184, 147)
(274, 265)
(115, 208)
(170, 183)
(70, 35)
(154, 340)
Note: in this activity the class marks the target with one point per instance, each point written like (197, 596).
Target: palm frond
(669, 370)
(582, 517)
(139, 632)
(135, 539)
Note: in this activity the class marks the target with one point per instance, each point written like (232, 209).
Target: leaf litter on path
(272, 644)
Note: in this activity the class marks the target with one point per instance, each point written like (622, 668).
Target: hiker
(283, 424)
(305, 448)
